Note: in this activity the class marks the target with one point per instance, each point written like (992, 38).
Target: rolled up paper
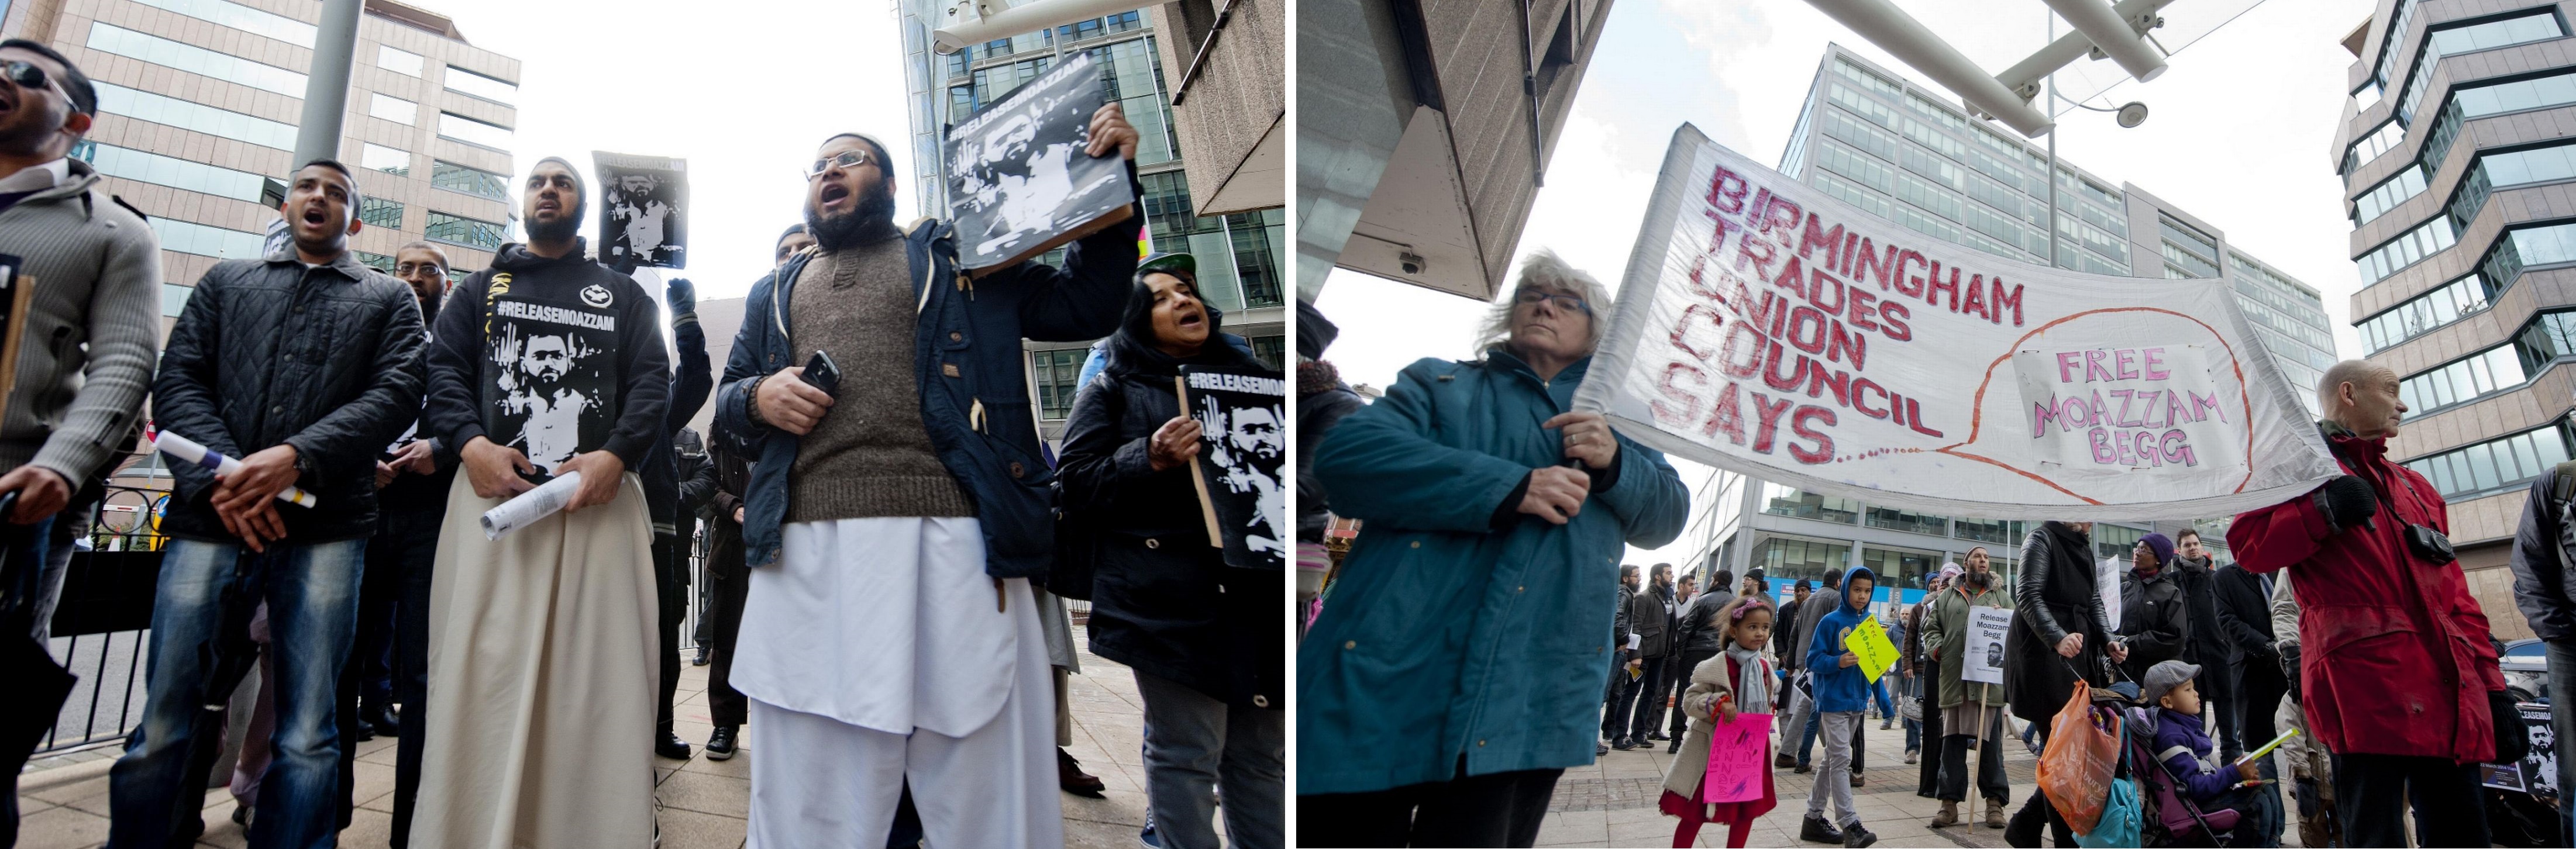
(530, 506)
(187, 450)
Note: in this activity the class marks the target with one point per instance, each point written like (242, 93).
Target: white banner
(1984, 645)
(1766, 328)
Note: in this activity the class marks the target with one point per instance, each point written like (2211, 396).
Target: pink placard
(1737, 757)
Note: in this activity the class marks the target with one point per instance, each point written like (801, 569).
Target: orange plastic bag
(2075, 770)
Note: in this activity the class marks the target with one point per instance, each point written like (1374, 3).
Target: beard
(563, 229)
(1981, 580)
(870, 220)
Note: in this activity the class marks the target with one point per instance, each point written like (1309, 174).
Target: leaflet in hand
(186, 450)
(532, 505)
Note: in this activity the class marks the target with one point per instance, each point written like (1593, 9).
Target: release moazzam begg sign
(643, 202)
(1243, 442)
(1765, 328)
(1019, 181)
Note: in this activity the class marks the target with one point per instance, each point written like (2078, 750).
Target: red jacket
(2395, 655)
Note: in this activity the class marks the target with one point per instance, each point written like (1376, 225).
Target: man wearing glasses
(412, 480)
(101, 270)
(890, 635)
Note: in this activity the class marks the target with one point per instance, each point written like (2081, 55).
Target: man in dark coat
(2390, 622)
(2205, 646)
(2155, 619)
(1644, 628)
(1700, 639)
(2542, 548)
(1652, 614)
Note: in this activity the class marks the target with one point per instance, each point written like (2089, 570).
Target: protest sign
(642, 211)
(1019, 180)
(1769, 329)
(1984, 645)
(1737, 759)
(1243, 440)
(1868, 641)
(2537, 774)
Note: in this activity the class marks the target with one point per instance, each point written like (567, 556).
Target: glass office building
(1241, 257)
(198, 106)
(2457, 181)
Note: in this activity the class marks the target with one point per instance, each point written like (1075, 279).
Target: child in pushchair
(2195, 801)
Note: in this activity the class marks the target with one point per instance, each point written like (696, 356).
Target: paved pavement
(704, 803)
(1612, 802)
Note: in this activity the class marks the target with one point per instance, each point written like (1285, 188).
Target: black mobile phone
(821, 374)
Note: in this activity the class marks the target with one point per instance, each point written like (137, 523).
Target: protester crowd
(877, 591)
(1482, 627)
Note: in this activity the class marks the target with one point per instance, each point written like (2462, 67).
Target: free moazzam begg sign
(1765, 328)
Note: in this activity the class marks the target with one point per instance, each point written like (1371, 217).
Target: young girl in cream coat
(1737, 680)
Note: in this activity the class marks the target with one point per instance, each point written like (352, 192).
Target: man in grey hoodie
(73, 409)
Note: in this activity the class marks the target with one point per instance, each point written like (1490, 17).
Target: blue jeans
(2562, 722)
(200, 616)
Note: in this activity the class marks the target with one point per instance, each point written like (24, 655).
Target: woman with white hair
(1458, 669)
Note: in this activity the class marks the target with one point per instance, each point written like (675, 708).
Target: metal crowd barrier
(101, 628)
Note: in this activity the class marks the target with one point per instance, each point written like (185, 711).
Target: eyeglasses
(1564, 302)
(847, 159)
(26, 75)
(431, 268)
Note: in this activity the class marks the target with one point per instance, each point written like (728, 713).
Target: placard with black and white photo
(1019, 180)
(1243, 434)
(643, 203)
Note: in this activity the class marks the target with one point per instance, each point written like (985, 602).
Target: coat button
(954, 336)
(1151, 542)
(1350, 644)
(1017, 469)
(1480, 744)
(1261, 701)
(1521, 589)
(1417, 543)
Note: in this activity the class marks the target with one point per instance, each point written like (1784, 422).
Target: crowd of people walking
(877, 582)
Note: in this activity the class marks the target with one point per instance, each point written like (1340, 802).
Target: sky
(745, 98)
(2240, 133)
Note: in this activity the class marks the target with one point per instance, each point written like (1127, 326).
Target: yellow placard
(1869, 642)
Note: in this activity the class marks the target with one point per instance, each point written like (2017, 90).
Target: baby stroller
(2169, 818)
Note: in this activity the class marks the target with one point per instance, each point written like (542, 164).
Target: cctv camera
(1412, 262)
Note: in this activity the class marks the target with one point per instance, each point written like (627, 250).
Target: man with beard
(541, 642)
(692, 379)
(1971, 712)
(303, 365)
(1255, 442)
(890, 635)
(412, 480)
(98, 283)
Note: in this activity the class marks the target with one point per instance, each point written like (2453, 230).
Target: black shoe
(720, 744)
(701, 659)
(1657, 736)
(241, 817)
(1857, 836)
(1624, 744)
(671, 746)
(365, 731)
(1599, 749)
(1674, 749)
(386, 723)
(1816, 830)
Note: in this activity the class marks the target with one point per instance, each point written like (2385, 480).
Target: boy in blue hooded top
(1842, 697)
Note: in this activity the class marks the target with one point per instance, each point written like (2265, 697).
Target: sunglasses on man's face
(27, 76)
(847, 160)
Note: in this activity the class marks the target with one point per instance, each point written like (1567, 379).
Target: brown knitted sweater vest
(870, 456)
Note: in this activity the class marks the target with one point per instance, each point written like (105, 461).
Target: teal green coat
(1450, 635)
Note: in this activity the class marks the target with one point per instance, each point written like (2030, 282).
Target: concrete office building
(1896, 149)
(1241, 255)
(1422, 138)
(198, 105)
(2456, 168)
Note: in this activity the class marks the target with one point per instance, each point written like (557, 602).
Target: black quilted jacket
(327, 359)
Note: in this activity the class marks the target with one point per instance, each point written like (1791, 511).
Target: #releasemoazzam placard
(643, 203)
(1243, 442)
(1020, 183)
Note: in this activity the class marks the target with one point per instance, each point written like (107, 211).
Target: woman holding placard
(1727, 693)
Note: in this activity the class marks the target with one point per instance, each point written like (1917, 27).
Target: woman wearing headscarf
(1459, 669)
(1203, 638)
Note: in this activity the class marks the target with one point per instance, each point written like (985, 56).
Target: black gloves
(2290, 669)
(2513, 739)
(682, 296)
(2347, 501)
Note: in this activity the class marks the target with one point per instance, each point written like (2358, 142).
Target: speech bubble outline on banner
(1977, 410)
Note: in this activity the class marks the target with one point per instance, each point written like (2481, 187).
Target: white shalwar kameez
(877, 649)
